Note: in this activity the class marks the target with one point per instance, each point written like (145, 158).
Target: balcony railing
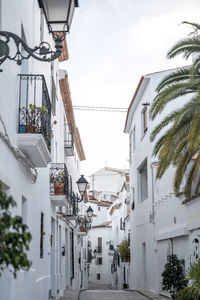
(34, 106)
(98, 250)
(69, 140)
(59, 180)
(61, 189)
(72, 207)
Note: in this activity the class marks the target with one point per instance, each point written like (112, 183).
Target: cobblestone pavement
(110, 295)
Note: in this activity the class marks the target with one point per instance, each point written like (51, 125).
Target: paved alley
(110, 295)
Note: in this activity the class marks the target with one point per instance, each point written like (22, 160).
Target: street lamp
(82, 185)
(58, 14)
(89, 212)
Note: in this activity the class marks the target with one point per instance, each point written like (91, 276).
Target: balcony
(71, 209)
(59, 184)
(34, 131)
(97, 251)
(69, 140)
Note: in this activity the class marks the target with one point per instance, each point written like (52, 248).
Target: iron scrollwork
(42, 52)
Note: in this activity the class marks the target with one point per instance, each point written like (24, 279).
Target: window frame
(141, 168)
(41, 235)
(144, 120)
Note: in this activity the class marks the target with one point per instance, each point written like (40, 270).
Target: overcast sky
(113, 43)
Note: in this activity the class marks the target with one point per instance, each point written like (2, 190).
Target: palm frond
(171, 93)
(180, 170)
(181, 74)
(196, 25)
(186, 47)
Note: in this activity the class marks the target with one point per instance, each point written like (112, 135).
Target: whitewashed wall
(52, 271)
(174, 224)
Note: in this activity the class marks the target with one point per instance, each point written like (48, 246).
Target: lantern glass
(90, 212)
(82, 185)
(59, 13)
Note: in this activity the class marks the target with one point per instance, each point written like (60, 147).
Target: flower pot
(30, 128)
(59, 188)
(82, 229)
(22, 128)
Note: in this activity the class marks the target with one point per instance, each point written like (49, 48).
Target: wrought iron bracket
(42, 52)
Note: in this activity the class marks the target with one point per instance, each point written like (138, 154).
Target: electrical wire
(99, 108)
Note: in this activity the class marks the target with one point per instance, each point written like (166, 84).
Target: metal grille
(34, 106)
(53, 95)
(69, 140)
(58, 173)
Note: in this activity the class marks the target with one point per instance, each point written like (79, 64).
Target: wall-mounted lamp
(58, 16)
(89, 212)
(82, 185)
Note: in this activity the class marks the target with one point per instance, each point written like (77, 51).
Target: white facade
(160, 221)
(56, 265)
(119, 213)
(109, 200)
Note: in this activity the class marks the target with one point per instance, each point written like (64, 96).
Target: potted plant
(84, 224)
(124, 251)
(33, 118)
(58, 178)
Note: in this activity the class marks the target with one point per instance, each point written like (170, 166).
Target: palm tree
(180, 144)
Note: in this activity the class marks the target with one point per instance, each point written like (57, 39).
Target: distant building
(108, 197)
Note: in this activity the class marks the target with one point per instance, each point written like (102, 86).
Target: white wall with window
(160, 220)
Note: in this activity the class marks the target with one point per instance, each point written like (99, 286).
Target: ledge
(80, 233)
(59, 200)
(34, 147)
(172, 233)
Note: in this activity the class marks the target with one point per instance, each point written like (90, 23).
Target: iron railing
(34, 106)
(58, 177)
(61, 184)
(98, 250)
(72, 207)
(53, 95)
(69, 140)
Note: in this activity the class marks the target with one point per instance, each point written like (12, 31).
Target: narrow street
(110, 295)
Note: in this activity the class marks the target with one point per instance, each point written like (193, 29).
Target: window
(98, 276)
(144, 120)
(104, 196)
(99, 244)
(99, 261)
(111, 247)
(41, 235)
(99, 208)
(143, 181)
(129, 238)
(24, 210)
(133, 199)
(72, 254)
(122, 224)
(132, 143)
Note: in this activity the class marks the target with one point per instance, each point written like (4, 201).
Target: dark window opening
(41, 235)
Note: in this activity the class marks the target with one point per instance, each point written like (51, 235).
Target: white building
(108, 199)
(29, 156)
(119, 213)
(160, 221)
